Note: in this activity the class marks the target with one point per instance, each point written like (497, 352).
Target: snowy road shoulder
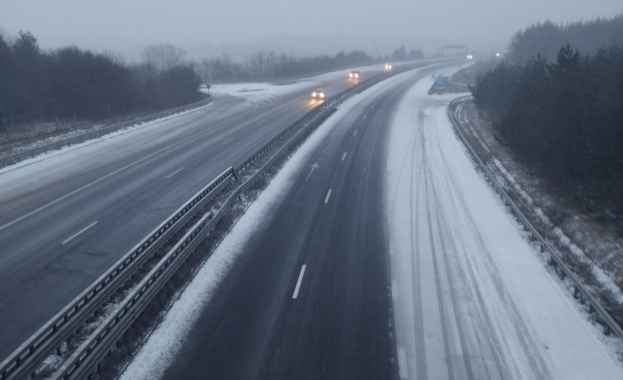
(475, 300)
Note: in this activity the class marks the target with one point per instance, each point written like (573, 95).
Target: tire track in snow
(439, 216)
(438, 288)
(418, 317)
(537, 364)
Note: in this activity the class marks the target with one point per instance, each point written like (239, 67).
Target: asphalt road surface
(389, 228)
(310, 297)
(67, 217)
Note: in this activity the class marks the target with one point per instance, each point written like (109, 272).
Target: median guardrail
(564, 271)
(99, 343)
(17, 157)
(81, 362)
(94, 349)
(23, 361)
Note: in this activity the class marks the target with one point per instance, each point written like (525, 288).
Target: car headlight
(322, 95)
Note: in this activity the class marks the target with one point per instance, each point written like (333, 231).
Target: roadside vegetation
(70, 84)
(272, 65)
(48, 92)
(564, 118)
(545, 39)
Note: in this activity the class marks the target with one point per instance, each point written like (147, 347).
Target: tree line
(74, 84)
(564, 118)
(546, 38)
(267, 65)
(70, 83)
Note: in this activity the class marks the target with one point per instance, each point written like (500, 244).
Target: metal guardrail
(94, 349)
(14, 158)
(25, 359)
(564, 271)
(99, 343)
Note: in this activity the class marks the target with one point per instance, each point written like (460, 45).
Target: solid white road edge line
(227, 141)
(326, 200)
(79, 232)
(298, 282)
(403, 371)
(394, 289)
(175, 172)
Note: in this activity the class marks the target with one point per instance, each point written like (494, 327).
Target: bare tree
(163, 57)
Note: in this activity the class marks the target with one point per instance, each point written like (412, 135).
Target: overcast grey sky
(200, 27)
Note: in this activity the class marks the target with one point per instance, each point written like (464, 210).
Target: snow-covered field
(260, 93)
(472, 298)
(264, 92)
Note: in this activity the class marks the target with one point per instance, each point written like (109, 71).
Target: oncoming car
(318, 94)
(353, 75)
(388, 67)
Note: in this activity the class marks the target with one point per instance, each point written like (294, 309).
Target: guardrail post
(551, 261)
(607, 330)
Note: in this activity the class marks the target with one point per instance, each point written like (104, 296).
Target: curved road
(309, 299)
(386, 257)
(66, 217)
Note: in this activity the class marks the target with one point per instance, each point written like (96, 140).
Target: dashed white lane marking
(355, 134)
(298, 282)
(344, 156)
(227, 141)
(394, 289)
(326, 200)
(403, 371)
(79, 232)
(365, 116)
(88, 185)
(175, 172)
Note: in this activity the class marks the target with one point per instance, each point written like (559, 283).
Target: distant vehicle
(470, 56)
(388, 67)
(353, 75)
(318, 94)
